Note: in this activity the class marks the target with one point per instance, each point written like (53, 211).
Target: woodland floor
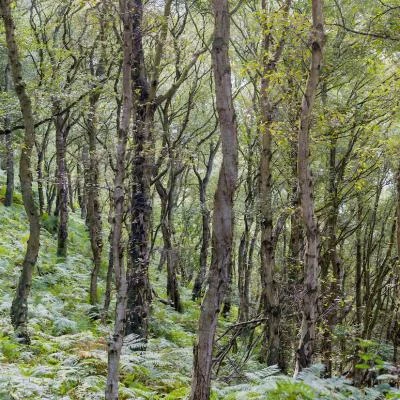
(67, 357)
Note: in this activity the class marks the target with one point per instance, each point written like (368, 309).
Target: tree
(116, 339)
(19, 308)
(222, 231)
(306, 347)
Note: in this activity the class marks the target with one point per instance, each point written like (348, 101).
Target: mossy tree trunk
(19, 308)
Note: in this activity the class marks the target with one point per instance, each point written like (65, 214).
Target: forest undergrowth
(67, 357)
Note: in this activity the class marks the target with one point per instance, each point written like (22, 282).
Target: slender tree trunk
(243, 287)
(107, 293)
(19, 308)
(70, 191)
(205, 223)
(305, 350)
(296, 240)
(39, 172)
(116, 340)
(9, 170)
(205, 243)
(9, 152)
(271, 352)
(86, 180)
(333, 260)
(62, 128)
(94, 207)
(222, 231)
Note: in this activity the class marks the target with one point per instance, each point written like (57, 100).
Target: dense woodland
(200, 199)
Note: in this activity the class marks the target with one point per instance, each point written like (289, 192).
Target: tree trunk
(333, 260)
(139, 291)
(271, 352)
(305, 350)
(116, 340)
(9, 152)
(39, 172)
(62, 128)
(167, 198)
(94, 207)
(19, 308)
(205, 223)
(222, 231)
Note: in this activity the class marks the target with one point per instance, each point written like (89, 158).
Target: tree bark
(305, 350)
(139, 292)
(116, 340)
(19, 308)
(9, 152)
(222, 231)
(93, 204)
(167, 197)
(62, 129)
(271, 352)
(205, 222)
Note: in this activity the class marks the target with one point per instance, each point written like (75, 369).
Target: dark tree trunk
(93, 204)
(70, 191)
(110, 270)
(139, 291)
(222, 231)
(271, 352)
(85, 189)
(19, 308)
(62, 129)
(306, 347)
(116, 340)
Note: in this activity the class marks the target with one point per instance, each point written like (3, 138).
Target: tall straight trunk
(84, 193)
(222, 231)
(9, 170)
(110, 270)
(271, 351)
(62, 129)
(145, 89)
(9, 151)
(70, 190)
(245, 266)
(39, 172)
(19, 308)
(139, 292)
(93, 204)
(333, 261)
(296, 240)
(116, 340)
(358, 283)
(305, 350)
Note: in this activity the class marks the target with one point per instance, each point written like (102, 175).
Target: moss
(9, 349)
(17, 198)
